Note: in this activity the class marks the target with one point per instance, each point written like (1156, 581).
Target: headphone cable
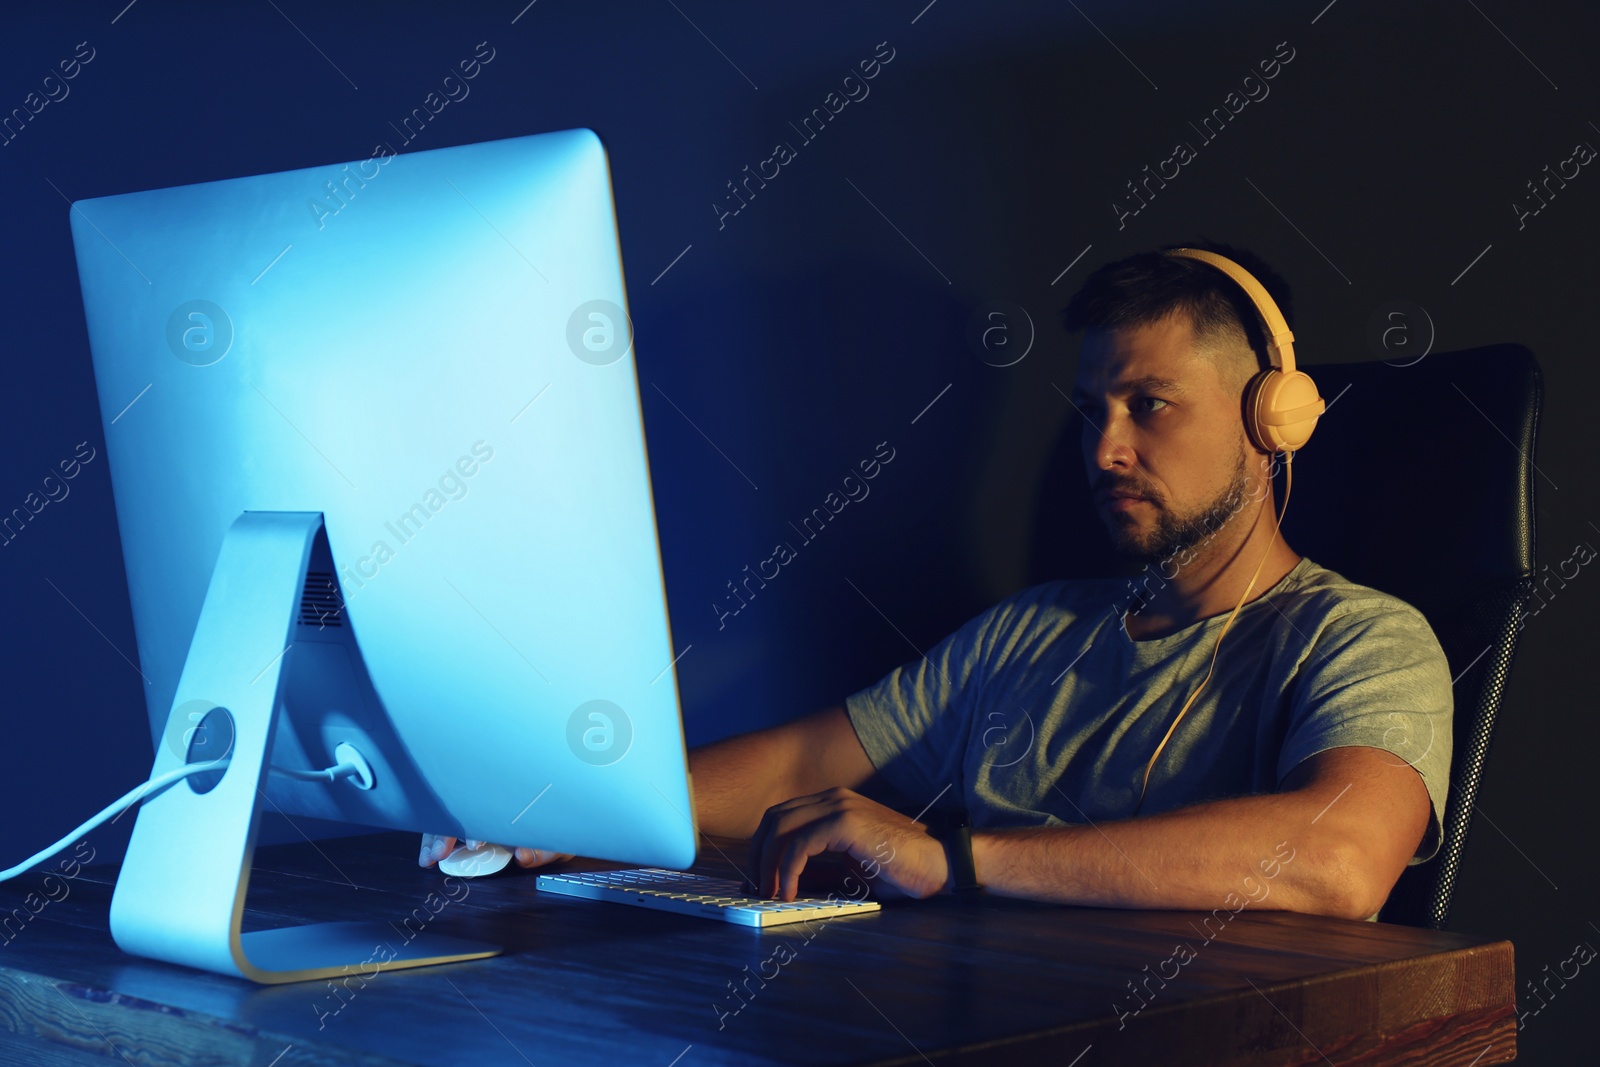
(1288, 488)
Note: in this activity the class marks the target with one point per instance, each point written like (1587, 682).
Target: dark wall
(788, 340)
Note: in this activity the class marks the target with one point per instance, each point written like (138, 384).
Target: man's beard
(1177, 535)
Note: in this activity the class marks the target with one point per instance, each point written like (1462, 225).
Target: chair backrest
(1420, 482)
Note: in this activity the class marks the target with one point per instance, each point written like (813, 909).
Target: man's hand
(436, 847)
(895, 853)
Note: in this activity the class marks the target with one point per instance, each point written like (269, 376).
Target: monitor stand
(180, 894)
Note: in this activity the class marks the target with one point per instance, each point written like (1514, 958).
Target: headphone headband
(1280, 342)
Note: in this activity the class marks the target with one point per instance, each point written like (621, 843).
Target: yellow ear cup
(1281, 410)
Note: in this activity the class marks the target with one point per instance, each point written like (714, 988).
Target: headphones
(1281, 408)
(1281, 404)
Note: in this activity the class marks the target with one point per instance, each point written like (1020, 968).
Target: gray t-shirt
(1042, 711)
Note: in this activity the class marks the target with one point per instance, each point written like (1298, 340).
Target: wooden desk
(939, 981)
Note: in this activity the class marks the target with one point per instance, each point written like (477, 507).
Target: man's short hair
(1146, 287)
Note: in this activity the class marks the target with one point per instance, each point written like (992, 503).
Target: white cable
(128, 799)
(327, 774)
(155, 785)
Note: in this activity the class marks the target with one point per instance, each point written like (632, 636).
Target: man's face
(1161, 425)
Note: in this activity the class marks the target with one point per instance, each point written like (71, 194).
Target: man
(1316, 756)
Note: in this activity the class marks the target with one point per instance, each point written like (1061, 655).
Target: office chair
(1420, 482)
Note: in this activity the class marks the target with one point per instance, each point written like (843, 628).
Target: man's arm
(1350, 818)
(736, 780)
(1332, 842)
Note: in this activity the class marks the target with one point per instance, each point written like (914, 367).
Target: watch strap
(956, 836)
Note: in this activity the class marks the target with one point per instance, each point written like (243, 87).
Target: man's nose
(1109, 446)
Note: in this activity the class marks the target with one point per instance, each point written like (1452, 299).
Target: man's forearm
(737, 780)
(1264, 849)
(734, 783)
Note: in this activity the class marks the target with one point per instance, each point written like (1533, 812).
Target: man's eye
(1151, 399)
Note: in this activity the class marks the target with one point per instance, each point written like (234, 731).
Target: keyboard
(697, 894)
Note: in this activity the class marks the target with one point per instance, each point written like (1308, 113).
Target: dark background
(829, 313)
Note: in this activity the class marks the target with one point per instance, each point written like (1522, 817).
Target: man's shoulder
(1331, 601)
(1061, 597)
(1037, 614)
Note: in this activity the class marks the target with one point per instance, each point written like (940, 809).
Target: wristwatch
(956, 836)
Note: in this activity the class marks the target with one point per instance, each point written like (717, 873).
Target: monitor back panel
(432, 350)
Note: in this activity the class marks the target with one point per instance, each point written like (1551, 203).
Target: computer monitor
(379, 467)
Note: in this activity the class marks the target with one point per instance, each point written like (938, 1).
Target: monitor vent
(320, 604)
